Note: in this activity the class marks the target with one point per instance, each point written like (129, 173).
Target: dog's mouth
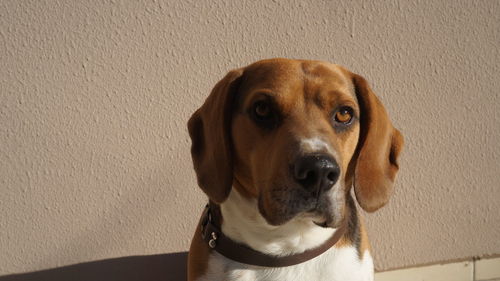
(320, 218)
(325, 221)
(321, 224)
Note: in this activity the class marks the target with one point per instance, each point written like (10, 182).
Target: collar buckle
(208, 231)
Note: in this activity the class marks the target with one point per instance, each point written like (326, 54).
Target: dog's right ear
(209, 129)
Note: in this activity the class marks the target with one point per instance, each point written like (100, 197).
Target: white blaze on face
(316, 145)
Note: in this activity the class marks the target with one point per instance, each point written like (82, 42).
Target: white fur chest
(244, 224)
(337, 264)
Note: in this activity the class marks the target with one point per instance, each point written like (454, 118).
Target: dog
(276, 147)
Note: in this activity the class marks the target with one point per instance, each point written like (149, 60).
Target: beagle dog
(276, 147)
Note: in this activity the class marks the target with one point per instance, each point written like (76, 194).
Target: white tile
(461, 271)
(487, 269)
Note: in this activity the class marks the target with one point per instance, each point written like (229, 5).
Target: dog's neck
(243, 223)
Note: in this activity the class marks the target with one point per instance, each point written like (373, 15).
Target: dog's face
(295, 128)
(294, 136)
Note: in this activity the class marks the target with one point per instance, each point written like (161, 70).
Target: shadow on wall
(171, 267)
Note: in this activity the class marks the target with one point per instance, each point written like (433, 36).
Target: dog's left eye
(344, 115)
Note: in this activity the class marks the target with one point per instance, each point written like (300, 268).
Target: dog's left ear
(209, 129)
(377, 152)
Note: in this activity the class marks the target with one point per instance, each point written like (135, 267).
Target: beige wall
(94, 99)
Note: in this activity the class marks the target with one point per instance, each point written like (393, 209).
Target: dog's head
(295, 135)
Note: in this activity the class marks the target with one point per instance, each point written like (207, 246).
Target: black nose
(317, 172)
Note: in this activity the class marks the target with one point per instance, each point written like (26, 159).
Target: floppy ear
(378, 149)
(211, 143)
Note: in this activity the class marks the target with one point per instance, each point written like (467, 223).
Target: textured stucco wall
(94, 98)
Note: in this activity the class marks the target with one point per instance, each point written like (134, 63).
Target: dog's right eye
(262, 110)
(263, 114)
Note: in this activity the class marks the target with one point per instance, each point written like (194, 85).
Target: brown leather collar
(212, 234)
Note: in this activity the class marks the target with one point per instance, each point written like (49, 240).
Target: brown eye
(262, 110)
(344, 115)
(264, 114)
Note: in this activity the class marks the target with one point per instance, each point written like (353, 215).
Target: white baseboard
(479, 270)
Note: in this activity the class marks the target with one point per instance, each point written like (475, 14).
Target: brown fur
(365, 242)
(230, 150)
(211, 149)
(379, 147)
(198, 255)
